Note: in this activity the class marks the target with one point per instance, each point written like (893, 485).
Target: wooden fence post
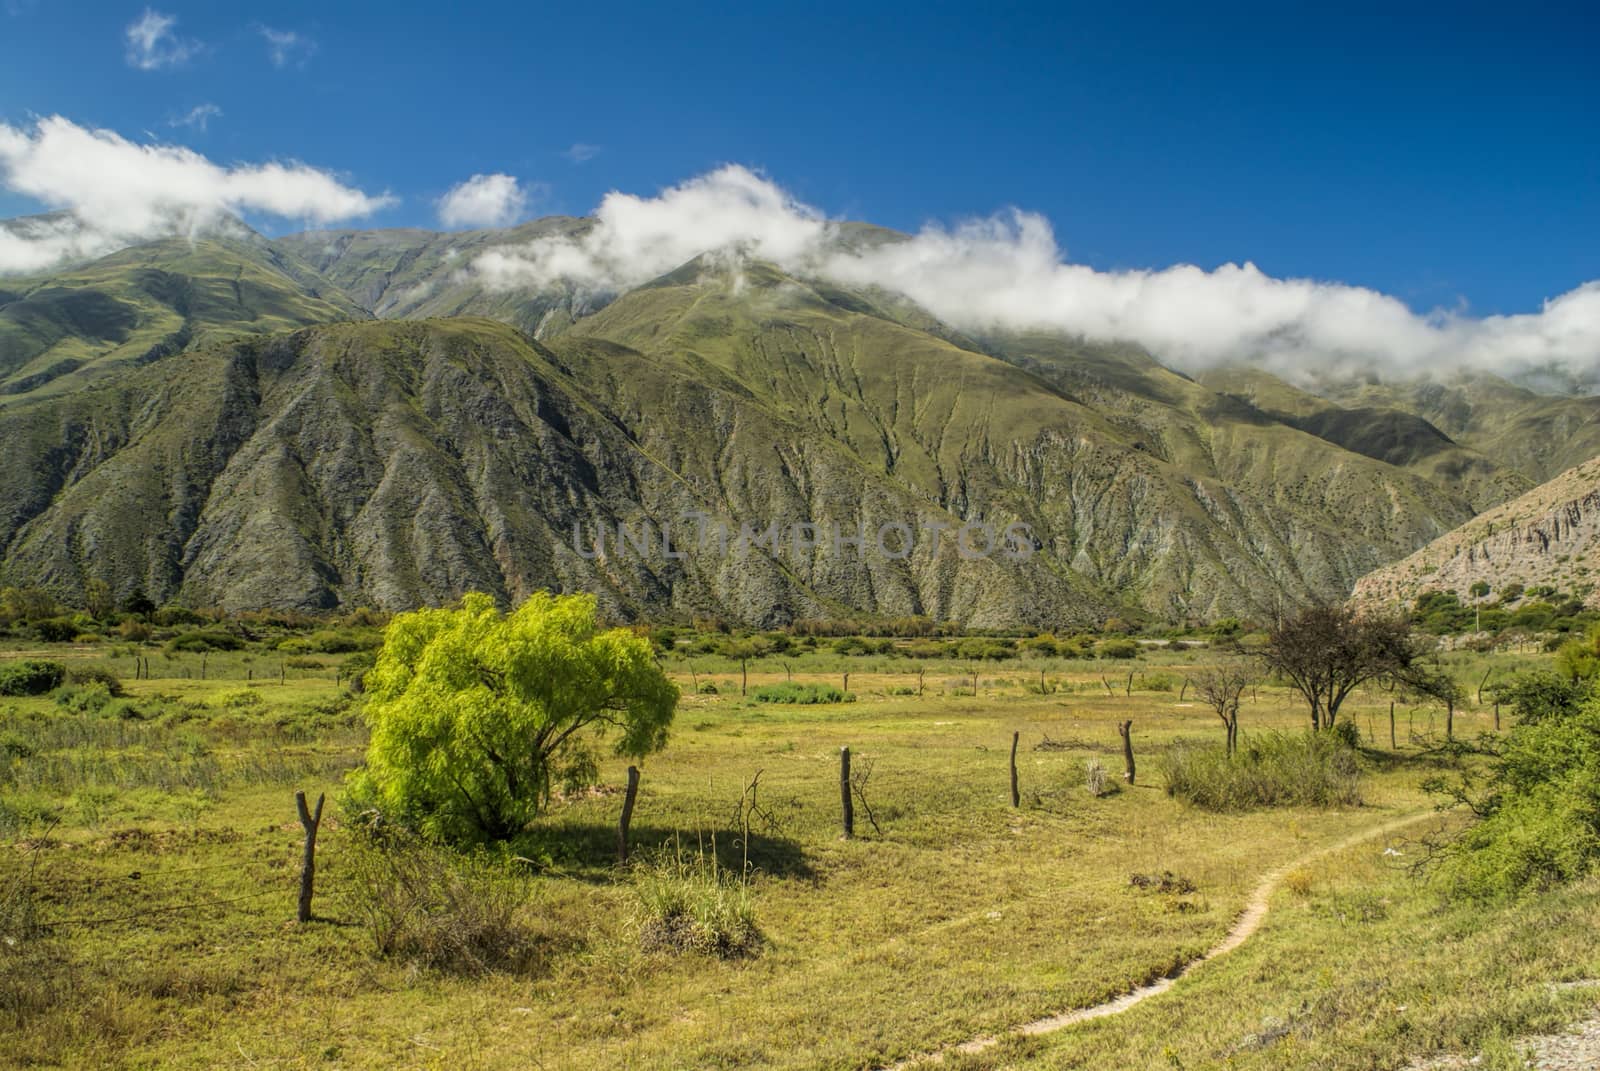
(1393, 744)
(1126, 730)
(844, 794)
(1130, 684)
(309, 821)
(1016, 799)
(1497, 715)
(627, 815)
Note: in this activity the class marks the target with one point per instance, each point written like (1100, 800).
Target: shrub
(689, 904)
(1275, 769)
(96, 675)
(238, 699)
(790, 692)
(1120, 648)
(173, 616)
(134, 631)
(1539, 816)
(56, 629)
(89, 698)
(32, 677)
(205, 640)
(461, 914)
(708, 688)
(1542, 695)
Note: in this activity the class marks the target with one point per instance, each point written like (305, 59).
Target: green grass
(962, 916)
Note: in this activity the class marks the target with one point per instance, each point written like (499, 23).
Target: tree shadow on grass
(588, 850)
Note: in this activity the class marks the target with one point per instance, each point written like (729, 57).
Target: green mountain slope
(144, 303)
(392, 463)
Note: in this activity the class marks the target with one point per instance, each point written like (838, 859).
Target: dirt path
(1248, 922)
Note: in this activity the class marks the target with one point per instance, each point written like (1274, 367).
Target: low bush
(57, 629)
(790, 692)
(96, 675)
(32, 677)
(89, 698)
(1539, 813)
(425, 904)
(1272, 769)
(1119, 648)
(205, 640)
(689, 904)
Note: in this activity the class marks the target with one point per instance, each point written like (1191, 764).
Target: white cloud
(286, 46)
(483, 201)
(1008, 272)
(199, 117)
(152, 44)
(639, 238)
(116, 192)
(581, 152)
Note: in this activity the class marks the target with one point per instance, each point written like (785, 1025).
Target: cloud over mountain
(115, 191)
(483, 201)
(1009, 272)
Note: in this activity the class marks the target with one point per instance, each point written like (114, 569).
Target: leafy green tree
(475, 714)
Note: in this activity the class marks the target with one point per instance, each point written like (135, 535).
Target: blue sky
(1449, 158)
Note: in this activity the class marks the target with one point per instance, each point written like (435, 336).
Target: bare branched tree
(1221, 686)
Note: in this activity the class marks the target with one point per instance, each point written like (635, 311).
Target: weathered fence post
(627, 815)
(847, 682)
(1482, 683)
(309, 821)
(1184, 690)
(1497, 715)
(1126, 730)
(1393, 744)
(920, 673)
(1107, 684)
(1130, 685)
(1016, 799)
(844, 794)
(1449, 719)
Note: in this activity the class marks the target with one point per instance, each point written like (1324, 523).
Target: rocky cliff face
(1549, 536)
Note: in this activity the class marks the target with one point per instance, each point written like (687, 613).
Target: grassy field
(162, 851)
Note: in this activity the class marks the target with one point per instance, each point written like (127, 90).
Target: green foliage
(791, 692)
(1541, 695)
(31, 677)
(89, 698)
(1317, 769)
(473, 713)
(57, 629)
(1580, 659)
(205, 640)
(466, 914)
(1539, 813)
(689, 904)
(97, 675)
(1119, 648)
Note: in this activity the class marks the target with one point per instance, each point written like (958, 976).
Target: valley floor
(164, 891)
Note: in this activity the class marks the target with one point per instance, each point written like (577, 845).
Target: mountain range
(348, 418)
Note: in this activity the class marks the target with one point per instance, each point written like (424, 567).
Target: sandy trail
(1248, 922)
